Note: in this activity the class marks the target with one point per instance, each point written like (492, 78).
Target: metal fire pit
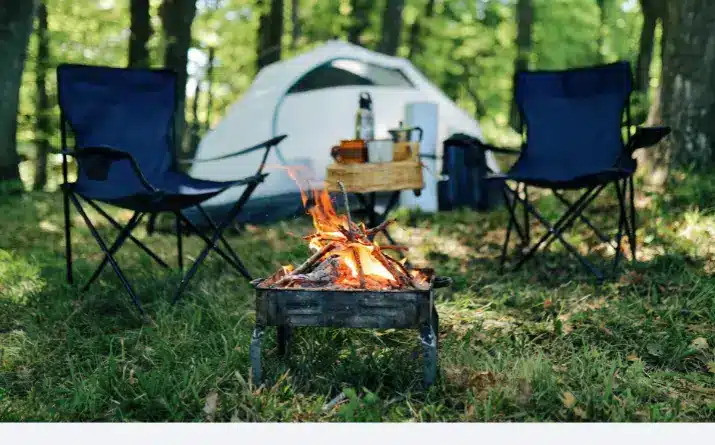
(391, 309)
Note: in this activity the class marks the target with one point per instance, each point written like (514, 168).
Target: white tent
(313, 98)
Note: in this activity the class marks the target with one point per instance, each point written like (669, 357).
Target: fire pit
(349, 282)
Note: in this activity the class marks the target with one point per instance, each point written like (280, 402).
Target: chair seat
(563, 176)
(176, 191)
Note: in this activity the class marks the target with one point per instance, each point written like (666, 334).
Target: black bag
(465, 168)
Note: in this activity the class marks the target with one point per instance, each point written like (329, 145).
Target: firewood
(402, 269)
(402, 280)
(358, 264)
(380, 227)
(395, 247)
(307, 264)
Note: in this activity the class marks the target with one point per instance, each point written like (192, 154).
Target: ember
(344, 256)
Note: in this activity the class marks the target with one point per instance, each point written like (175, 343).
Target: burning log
(395, 248)
(358, 265)
(305, 267)
(379, 228)
(401, 279)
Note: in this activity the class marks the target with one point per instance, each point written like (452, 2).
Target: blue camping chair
(573, 140)
(122, 122)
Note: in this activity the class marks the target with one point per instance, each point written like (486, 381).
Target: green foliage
(468, 47)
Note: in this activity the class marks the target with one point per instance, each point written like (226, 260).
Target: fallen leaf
(548, 304)
(568, 400)
(632, 357)
(579, 412)
(699, 344)
(132, 380)
(711, 367)
(210, 405)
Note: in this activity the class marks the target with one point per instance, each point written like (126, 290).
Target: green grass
(543, 344)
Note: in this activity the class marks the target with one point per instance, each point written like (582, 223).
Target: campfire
(345, 255)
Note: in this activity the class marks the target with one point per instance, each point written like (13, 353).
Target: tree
(16, 19)
(176, 18)
(391, 27)
(140, 33)
(270, 34)
(687, 96)
(653, 10)
(295, 23)
(415, 44)
(525, 21)
(43, 125)
(359, 19)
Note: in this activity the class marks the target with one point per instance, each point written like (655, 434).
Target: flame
(361, 262)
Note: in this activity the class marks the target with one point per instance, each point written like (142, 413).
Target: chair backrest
(573, 118)
(127, 109)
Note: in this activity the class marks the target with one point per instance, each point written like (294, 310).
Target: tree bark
(687, 100)
(525, 21)
(415, 43)
(601, 31)
(296, 25)
(270, 33)
(43, 125)
(176, 18)
(16, 19)
(140, 33)
(391, 27)
(651, 14)
(360, 19)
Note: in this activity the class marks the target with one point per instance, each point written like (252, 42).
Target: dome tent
(313, 98)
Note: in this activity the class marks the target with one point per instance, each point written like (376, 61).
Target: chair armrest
(647, 137)
(266, 144)
(106, 155)
(503, 150)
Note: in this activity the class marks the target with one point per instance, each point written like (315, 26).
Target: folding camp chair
(573, 140)
(122, 121)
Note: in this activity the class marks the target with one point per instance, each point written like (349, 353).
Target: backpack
(464, 168)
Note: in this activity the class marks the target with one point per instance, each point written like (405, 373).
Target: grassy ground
(543, 344)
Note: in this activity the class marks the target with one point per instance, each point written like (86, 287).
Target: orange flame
(354, 255)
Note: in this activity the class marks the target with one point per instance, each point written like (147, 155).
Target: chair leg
(179, 244)
(527, 229)
(107, 253)
(509, 225)
(633, 223)
(583, 218)
(621, 221)
(195, 230)
(212, 243)
(242, 267)
(123, 235)
(557, 228)
(68, 235)
(119, 227)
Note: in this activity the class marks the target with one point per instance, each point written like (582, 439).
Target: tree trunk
(687, 100)
(16, 19)
(296, 25)
(140, 33)
(651, 14)
(43, 125)
(525, 21)
(176, 18)
(415, 43)
(391, 27)
(270, 33)
(360, 19)
(601, 31)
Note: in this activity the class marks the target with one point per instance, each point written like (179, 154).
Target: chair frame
(211, 239)
(625, 193)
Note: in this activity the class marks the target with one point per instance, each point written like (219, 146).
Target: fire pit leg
(429, 354)
(255, 354)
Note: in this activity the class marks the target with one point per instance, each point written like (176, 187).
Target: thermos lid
(365, 100)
